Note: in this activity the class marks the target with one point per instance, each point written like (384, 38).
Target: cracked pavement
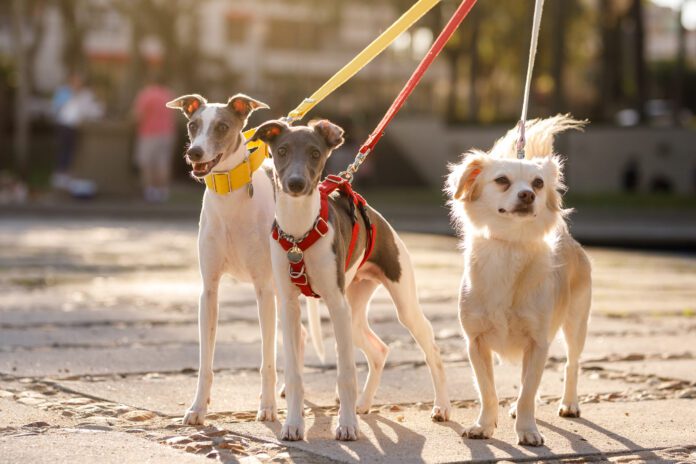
(99, 351)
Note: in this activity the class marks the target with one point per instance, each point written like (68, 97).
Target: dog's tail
(314, 320)
(539, 135)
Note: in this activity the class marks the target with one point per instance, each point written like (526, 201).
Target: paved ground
(98, 351)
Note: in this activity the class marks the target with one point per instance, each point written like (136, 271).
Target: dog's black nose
(526, 196)
(296, 184)
(195, 153)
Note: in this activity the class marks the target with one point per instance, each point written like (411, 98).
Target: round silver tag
(295, 255)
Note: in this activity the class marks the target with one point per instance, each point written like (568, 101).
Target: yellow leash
(408, 19)
(226, 182)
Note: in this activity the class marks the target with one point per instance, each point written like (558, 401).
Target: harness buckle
(321, 220)
(297, 274)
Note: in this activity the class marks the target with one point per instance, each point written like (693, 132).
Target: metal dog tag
(250, 190)
(295, 254)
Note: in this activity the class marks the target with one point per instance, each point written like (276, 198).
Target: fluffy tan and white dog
(524, 275)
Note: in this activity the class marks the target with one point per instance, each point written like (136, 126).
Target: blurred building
(276, 50)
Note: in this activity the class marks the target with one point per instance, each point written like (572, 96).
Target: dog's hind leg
(207, 328)
(410, 314)
(267, 318)
(359, 294)
(574, 332)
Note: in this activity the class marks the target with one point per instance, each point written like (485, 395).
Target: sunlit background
(626, 65)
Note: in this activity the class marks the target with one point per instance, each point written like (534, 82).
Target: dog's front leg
(347, 380)
(533, 365)
(481, 358)
(267, 317)
(290, 315)
(207, 330)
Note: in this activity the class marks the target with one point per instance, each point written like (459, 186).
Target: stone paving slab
(683, 369)
(233, 392)
(77, 445)
(406, 437)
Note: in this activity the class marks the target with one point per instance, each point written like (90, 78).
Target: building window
(237, 27)
(295, 34)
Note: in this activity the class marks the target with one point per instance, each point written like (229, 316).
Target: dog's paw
(441, 413)
(569, 410)
(292, 431)
(362, 406)
(347, 432)
(194, 416)
(530, 437)
(512, 412)
(267, 414)
(479, 431)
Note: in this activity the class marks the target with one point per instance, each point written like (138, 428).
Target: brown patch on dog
(385, 253)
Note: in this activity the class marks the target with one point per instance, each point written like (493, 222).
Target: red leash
(454, 22)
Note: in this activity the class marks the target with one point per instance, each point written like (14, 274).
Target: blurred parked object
(104, 158)
(12, 190)
(155, 139)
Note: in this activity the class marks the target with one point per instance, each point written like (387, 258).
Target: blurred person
(73, 104)
(156, 136)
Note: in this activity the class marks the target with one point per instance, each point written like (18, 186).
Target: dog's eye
(316, 154)
(538, 183)
(193, 126)
(222, 127)
(502, 180)
(282, 151)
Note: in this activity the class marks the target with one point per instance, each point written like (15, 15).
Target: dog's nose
(195, 153)
(296, 184)
(526, 196)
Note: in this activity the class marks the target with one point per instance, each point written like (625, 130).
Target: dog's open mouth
(523, 211)
(203, 169)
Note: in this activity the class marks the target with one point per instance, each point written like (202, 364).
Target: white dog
(524, 276)
(236, 218)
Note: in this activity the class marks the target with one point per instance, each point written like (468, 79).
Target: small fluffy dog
(524, 275)
(233, 238)
(299, 156)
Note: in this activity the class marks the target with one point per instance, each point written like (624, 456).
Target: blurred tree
(640, 70)
(75, 26)
(678, 102)
(21, 116)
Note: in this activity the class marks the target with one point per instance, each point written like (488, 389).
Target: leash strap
(536, 26)
(296, 248)
(369, 53)
(454, 22)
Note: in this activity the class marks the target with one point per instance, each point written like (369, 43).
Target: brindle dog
(299, 156)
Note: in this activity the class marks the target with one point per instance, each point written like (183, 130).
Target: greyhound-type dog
(299, 156)
(233, 235)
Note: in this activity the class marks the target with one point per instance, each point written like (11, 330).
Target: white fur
(233, 239)
(296, 215)
(524, 278)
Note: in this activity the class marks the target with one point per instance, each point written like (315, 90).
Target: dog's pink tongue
(199, 167)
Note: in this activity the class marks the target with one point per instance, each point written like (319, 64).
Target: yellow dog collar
(223, 183)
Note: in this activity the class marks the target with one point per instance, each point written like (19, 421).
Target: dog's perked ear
(268, 131)
(330, 132)
(244, 105)
(188, 104)
(553, 172)
(461, 183)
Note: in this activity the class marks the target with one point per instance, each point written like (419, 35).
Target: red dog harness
(295, 248)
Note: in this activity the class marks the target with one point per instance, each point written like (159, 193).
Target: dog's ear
(269, 131)
(553, 174)
(461, 183)
(244, 105)
(330, 132)
(188, 104)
